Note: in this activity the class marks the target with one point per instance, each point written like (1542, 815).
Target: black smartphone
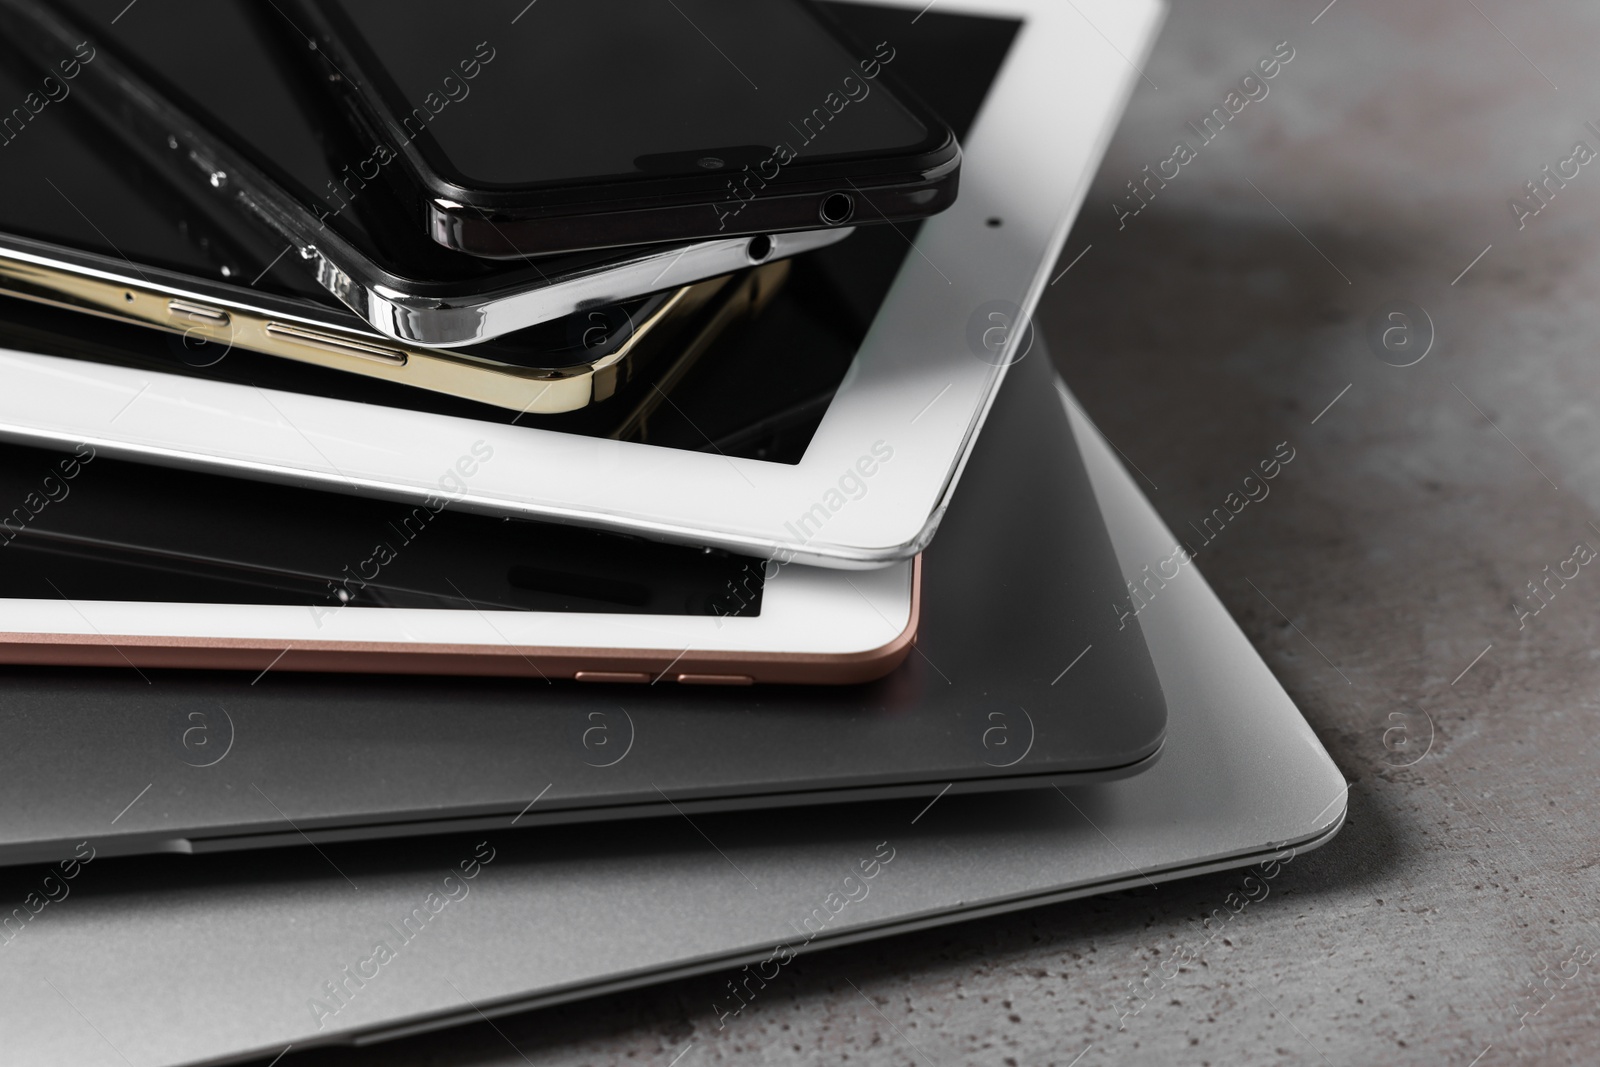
(205, 93)
(114, 234)
(562, 125)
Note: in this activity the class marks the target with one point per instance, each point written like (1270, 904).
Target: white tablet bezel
(815, 625)
(872, 484)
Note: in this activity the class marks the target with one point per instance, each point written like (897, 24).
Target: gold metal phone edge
(529, 390)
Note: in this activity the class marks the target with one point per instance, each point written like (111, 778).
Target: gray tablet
(1022, 675)
(180, 960)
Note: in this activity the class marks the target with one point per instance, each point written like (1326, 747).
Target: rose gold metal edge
(364, 657)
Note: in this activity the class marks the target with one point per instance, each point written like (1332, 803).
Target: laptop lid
(1022, 674)
(178, 960)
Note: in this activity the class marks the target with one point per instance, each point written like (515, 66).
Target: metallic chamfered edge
(843, 556)
(498, 660)
(396, 825)
(461, 320)
(840, 559)
(1314, 838)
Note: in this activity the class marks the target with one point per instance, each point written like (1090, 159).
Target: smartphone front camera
(759, 248)
(837, 208)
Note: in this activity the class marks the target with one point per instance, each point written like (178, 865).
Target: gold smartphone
(560, 366)
(644, 352)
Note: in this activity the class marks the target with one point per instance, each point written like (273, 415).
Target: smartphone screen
(238, 68)
(559, 91)
(60, 185)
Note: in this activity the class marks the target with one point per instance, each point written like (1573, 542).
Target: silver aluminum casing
(565, 913)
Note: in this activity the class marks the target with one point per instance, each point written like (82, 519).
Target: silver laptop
(187, 960)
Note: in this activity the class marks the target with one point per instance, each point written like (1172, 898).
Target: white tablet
(1034, 101)
(123, 565)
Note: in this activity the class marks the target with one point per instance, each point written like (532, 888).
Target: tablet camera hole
(837, 209)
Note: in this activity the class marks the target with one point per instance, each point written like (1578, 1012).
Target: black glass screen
(562, 90)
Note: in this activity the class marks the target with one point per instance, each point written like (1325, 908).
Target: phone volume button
(197, 313)
(344, 346)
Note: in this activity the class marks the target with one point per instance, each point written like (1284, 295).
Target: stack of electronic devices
(470, 482)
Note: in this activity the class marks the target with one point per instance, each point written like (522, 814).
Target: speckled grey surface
(1453, 916)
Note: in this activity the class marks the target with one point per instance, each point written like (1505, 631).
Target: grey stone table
(1453, 920)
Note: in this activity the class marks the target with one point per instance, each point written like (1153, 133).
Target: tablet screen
(85, 527)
